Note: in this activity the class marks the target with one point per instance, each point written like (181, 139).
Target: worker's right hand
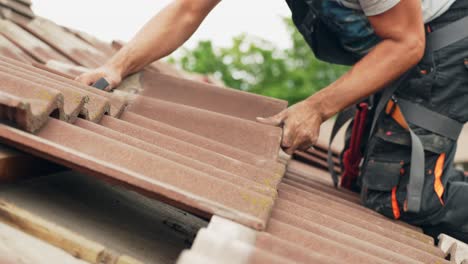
(112, 76)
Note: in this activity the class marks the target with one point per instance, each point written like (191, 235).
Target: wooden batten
(72, 243)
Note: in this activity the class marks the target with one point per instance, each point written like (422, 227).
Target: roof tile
(8, 49)
(117, 104)
(155, 176)
(18, 7)
(256, 138)
(94, 108)
(73, 101)
(209, 97)
(34, 47)
(70, 46)
(214, 146)
(215, 166)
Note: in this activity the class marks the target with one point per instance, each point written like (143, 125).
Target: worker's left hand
(301, 125)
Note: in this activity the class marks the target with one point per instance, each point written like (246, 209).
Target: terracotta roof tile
(291, 250)
(29, 43)
(314, 242)
(138, 169)
(24, 2)
(205, 96)
(18, 7)
(117, 104)
(185, 148)
(11, 15)
(8, 49)
(166, 153)
(93, 41)
(94, 108)
(70, 46)
(34, 103)
(214, 146)
(244, 134)
(383, 247)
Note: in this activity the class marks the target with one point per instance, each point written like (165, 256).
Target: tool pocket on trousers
(381, 175)
(419, 87)
(391, 133)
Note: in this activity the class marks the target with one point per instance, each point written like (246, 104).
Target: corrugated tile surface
(193, 145)
(18, 11)
(69, 45)
(205, 159)
(312, 222)
(190, 176)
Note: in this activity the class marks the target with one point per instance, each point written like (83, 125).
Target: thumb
(276, 120)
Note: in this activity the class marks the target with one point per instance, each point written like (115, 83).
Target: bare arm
(163, 34)
(402, 46)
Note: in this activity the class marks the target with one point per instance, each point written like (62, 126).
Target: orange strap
(438, 171)
(396, 114)
(395, 207)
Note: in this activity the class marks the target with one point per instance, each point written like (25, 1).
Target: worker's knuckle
(313, 139)
(304, 132)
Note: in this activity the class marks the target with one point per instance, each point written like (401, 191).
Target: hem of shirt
(381, 9)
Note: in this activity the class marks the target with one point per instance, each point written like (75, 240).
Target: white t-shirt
(431, 8)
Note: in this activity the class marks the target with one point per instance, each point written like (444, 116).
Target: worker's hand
(111, 75)
(301, 126)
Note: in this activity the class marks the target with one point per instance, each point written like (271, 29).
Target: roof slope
(190, 144)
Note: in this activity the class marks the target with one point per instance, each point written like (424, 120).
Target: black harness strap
(415, 186)
(447, 35)
(422, 117)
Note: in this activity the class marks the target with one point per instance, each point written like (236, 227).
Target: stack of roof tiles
(193, 145)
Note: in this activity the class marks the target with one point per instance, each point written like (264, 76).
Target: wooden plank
(70, 242)
(124, 221)
(127, 260)
(74, 244)
(18, 247)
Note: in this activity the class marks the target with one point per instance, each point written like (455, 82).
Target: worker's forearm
(385, 63)
(163, 34)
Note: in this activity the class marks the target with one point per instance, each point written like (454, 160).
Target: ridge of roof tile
(117, 105)
(34, 47)
(254, 137)
(28, 110)
(75, 50)
(203, 142)
(18, 7)
(8, 49)
(207, 96)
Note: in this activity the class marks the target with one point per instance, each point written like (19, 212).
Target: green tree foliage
(258, 66)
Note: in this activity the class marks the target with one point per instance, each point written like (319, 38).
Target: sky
(121, 19)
